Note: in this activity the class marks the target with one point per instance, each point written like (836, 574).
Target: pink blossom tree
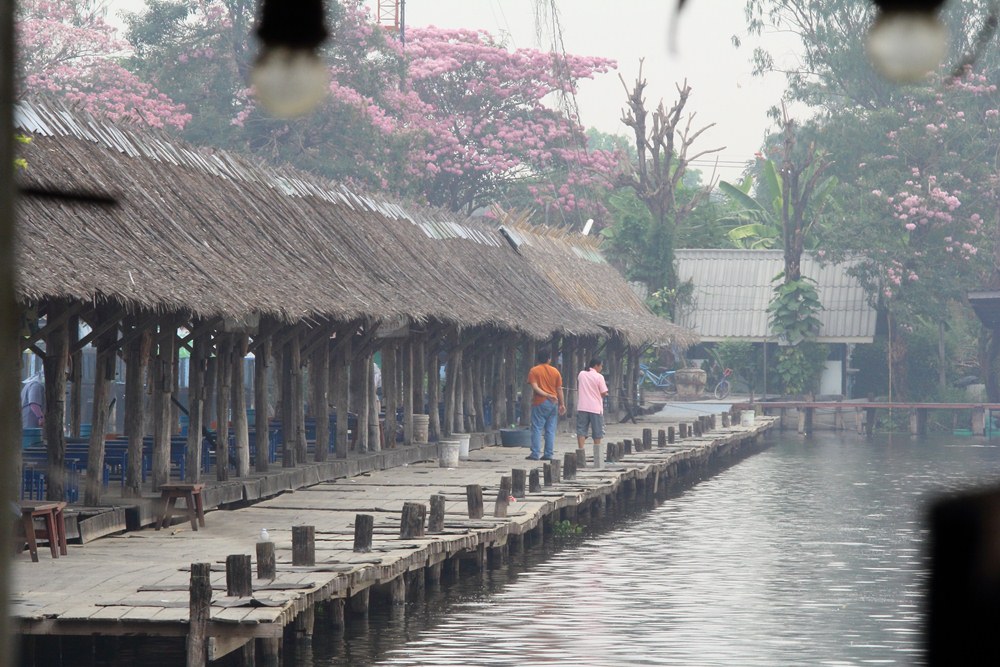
(68, 50)
(928, 216)
(479, 123)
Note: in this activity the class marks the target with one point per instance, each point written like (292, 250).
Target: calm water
(810, 553)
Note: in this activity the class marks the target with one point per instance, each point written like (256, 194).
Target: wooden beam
(141, 326)
(56, 322)
(105, 325)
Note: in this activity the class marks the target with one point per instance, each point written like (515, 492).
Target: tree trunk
(55, 361)
(222, 401)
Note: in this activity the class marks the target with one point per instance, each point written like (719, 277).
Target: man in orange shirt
(546, 405)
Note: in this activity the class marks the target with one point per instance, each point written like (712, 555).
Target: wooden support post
(364, 526)
(682, 431)
(136, 358)
(806, 420)
(696, 428)
(612, 449)
(319, 375)
(581, 458)
(869, 420)
(978, 421)
(241, 428)
(503, 497)
(838, 419)
(360, 371)
(288, 421)
(556, 471)
(390, 391)
(397, 590)
(163, 387)
(261, 382)
(359, 602)
(266, 568)
(474, 496)
(569, 466)
(103, 374)
(435, 523)
(341, 391)
(303, 545)
(239, 576)
(661, 438)
(223, 377)
(200, 609)
(433, 573)
(305, 623)
(518, 477)
(268, 652)
(411, 524)
(647, 438)
(299, 399)
(671, 435)
(526, 392)
(637, 445)
(418, 359)
(598, 456)
(372, 402)
(547, 473)
(337, 613)
(534, 485)
(407, 392)
(434, 426)
(451, 377)
(196, 409)
(725, 420)
(627, 444)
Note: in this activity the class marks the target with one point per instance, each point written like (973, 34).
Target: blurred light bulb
(289, 82)
(907, 46)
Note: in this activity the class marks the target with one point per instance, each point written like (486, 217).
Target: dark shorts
(594, 421)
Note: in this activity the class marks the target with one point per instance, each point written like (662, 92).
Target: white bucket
(448, 453)
(747, 418)
(463, 446)
(421, 428)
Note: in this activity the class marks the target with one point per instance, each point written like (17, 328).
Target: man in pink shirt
(591, 389)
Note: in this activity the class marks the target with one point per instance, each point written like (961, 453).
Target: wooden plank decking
(137, 582)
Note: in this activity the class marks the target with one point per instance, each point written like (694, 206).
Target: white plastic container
(463, 446)
(448, 453)
(747, 418)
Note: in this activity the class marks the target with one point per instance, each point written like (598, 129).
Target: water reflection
(810, 553)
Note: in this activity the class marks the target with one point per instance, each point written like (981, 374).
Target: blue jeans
(544, 416)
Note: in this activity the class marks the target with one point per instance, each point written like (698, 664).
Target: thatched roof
(217, 234)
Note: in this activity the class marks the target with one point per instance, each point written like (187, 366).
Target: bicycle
(662, 380)
(724, 387)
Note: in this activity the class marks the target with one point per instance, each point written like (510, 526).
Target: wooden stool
(51, 512)
(191, 493)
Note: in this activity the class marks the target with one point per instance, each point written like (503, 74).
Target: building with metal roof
(732, 289)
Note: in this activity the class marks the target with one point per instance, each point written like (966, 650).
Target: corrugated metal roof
(732, 289)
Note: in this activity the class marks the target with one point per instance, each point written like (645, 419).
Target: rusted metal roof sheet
(732, 289)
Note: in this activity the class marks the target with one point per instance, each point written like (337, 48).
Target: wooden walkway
(865, 413)
(137, 582)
